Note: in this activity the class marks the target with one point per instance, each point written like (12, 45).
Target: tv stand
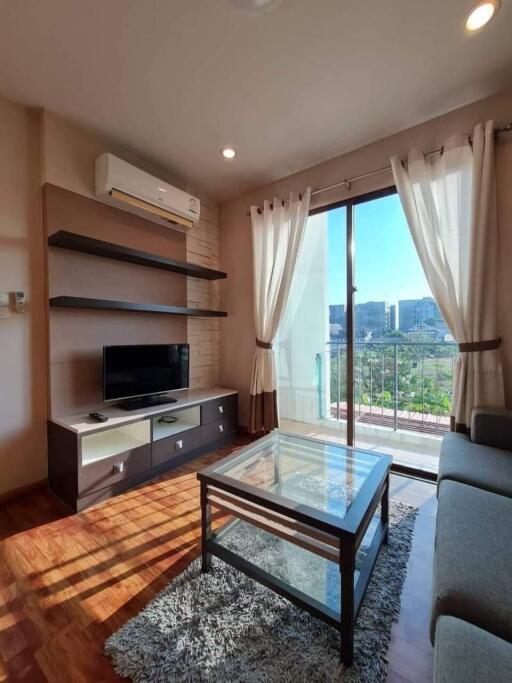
(91, 461)
(145, 402)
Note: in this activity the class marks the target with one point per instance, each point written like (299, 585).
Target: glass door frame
(349, 205)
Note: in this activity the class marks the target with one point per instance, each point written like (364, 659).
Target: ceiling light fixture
(228, 153)
(481, 15)
(256, 6)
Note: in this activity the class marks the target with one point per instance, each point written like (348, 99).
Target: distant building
(335, 331)
(392, 317)
(415, 312)
(338, 318)
(337, 314)
(424, 331)
(371, 319)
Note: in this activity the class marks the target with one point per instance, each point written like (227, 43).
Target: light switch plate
(19, 298)
(4, 305)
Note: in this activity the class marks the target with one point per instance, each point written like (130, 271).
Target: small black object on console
(99, 417)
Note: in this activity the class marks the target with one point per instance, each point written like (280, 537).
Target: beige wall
(69, 153)
(236, 293)
(67, 159)
(38, 148)
(23, 335)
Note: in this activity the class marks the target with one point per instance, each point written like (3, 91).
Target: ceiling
(176, 80)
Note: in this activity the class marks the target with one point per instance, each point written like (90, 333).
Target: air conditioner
(118, 182)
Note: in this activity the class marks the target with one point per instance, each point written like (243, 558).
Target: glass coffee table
(307, 520)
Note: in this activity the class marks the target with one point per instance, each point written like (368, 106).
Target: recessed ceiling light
(256, 6)
(481, 15)
(228, 153)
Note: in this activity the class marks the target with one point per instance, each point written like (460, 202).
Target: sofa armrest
(492, 427)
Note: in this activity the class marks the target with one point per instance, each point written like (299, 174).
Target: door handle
(179, 444)
(118, 467)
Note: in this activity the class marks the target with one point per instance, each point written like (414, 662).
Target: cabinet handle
(179, 444)
(221, 428)
(221, 409)
(118, 467)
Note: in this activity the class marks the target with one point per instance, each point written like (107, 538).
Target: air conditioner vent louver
(126, 186)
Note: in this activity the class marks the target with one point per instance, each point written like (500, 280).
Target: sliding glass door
(403, 351)
(365, 357)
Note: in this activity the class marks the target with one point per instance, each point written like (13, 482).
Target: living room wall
(22, 335)
(40, 147)
(238, 337)
(69, 152)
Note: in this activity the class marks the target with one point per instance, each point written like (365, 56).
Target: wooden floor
(68, 581)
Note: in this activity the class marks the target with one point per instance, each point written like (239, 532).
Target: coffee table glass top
(325, 477)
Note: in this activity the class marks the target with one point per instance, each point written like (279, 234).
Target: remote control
(99, 417)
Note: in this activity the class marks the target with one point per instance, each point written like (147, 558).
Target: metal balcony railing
(402, 385)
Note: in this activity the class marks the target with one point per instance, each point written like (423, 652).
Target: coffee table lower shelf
(308, 580)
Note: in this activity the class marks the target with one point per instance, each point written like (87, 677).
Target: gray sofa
(471, 623)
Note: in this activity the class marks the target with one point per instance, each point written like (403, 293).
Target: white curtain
(450, 204)
(277, 236)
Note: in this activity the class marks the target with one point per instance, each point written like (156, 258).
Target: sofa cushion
(467, 654)
(469, 463)
(492, 427)
(473, 558)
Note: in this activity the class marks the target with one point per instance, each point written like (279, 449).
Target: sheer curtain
(277, 236)
(450, 204)
(303, 363)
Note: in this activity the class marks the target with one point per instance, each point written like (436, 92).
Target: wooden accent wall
(76, 337)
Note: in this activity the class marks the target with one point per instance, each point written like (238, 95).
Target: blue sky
(386, 264)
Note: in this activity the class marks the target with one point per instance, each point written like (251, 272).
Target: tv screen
(144, 370)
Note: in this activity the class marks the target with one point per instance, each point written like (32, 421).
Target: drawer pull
(221, 410)
(179, 444)
(118, 467)
(221, 428)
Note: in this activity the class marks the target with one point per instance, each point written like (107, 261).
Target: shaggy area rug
(224, 627)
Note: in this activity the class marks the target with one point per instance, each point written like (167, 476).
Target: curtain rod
(348, 182)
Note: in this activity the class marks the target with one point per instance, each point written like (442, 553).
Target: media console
(91, 461)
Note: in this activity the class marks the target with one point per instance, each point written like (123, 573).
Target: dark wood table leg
(384, 512)
(347, 568)
(206, 529)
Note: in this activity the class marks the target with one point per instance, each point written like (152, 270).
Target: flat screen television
(138, 375)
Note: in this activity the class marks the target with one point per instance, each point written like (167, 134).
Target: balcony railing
(400, 385)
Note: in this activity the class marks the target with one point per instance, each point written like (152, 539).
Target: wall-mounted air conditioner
(118, 182)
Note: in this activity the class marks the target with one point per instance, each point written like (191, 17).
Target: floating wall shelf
(107, 305)
(88, 245)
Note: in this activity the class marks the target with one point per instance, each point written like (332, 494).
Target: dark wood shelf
(89, 245)
(107, 305)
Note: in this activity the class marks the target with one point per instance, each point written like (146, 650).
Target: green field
(424, 375)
